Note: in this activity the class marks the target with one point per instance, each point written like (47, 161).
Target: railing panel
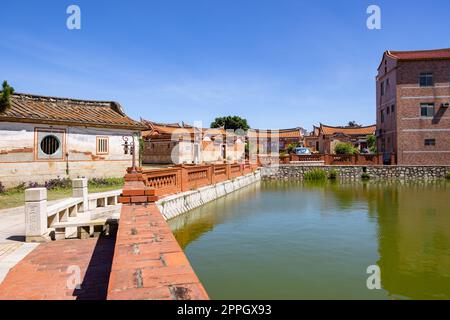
(164, 181)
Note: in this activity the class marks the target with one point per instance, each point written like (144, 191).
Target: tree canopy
(5, 96)
(354, 124)
(230, 122)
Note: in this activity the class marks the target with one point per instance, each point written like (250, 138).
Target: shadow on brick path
(96, 278)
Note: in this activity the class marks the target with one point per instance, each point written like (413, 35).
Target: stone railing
(59, 220)
(151, 185)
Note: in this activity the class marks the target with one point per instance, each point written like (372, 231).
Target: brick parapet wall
(148, 262)
(146, 186)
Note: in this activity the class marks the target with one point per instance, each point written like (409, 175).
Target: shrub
(315, 174)
(2, 188)
(447, 176)
(105, 182)
(372, 143)
(290, 147)
(365, 176)
(345, 148)
(333, 174)
(52, 184)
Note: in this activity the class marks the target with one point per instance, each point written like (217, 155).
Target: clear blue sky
(278, 63)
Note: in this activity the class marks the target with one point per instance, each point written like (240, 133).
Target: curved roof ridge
(43, 97)
(347, 127)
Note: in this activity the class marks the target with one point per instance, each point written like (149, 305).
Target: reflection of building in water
(192, 225)
(414, 242)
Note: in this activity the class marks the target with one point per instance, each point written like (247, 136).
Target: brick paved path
(148, 264)
(43, 274)
(148, 261)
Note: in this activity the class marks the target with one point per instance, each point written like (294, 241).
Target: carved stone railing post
(80, 190)
(36, 229)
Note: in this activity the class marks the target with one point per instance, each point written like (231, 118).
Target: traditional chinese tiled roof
(329, 130)
(420, 55)
(293, 133)
(64, 111)
(164, 130)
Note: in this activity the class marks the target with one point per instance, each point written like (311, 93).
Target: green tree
(5, 96)
(353, 124)
(372, 143)
(344, 148)
(230, 122)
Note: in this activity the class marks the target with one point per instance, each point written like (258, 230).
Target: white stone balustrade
(67, 216)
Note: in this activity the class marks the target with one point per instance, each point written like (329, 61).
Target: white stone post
(36, 229)
(80, 190)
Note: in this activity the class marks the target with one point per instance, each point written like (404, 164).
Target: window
(382, 88)
(392, 108)
(50, 145)
(427, 109)
(382, 116)
(426, 79)
(388, 110)
(102, 145)
(430, 142)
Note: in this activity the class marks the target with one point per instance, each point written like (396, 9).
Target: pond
(294, 240)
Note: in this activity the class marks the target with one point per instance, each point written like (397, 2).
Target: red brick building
(327, 137)
(413, 96)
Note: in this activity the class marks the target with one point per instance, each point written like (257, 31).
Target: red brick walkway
(148, 262)
(44, 273)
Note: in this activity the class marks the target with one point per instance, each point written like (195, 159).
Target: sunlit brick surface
(44, 273)
(148, 262)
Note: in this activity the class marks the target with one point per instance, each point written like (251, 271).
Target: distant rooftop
(330, 130)
(420, 55)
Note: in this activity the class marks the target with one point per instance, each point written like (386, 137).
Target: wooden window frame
(97, 144)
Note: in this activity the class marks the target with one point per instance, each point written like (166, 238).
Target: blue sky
(278, 63)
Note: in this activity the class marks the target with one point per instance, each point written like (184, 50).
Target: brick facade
(401, 128)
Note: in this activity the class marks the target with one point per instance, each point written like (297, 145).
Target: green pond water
(293, 240)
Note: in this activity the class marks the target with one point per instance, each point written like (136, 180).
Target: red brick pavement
(148, 264)
(148, 261)
(44, 273)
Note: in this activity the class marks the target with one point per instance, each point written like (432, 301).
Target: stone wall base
(296, 172)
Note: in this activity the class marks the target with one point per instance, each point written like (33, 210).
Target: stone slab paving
(148, 261)
(45, 274)
(12, 253)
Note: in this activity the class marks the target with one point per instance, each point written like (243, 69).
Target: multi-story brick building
(413, 96)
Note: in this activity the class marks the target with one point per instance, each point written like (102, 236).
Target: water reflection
(402, 227)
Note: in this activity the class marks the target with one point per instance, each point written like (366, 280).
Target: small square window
(102, 145)
(426, 79)
(430, 142)
(427, 110)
